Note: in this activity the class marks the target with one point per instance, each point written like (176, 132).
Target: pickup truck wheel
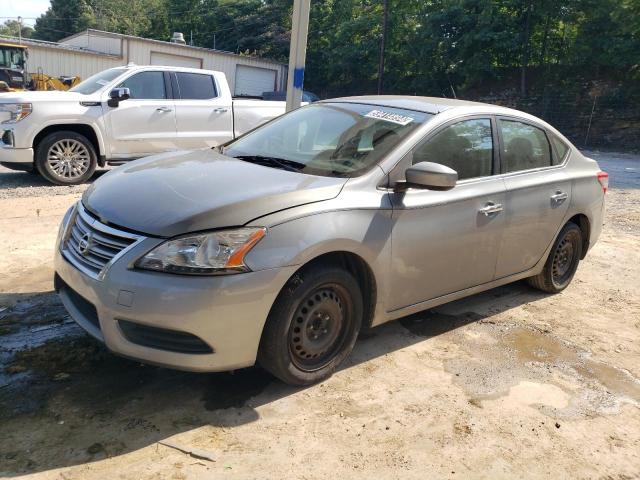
(66, 158)
(312, 326)
(562, 263)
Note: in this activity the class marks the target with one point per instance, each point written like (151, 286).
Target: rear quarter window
(560, 150)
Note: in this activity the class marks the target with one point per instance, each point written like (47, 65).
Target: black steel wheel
(563, 261)
(312, 326)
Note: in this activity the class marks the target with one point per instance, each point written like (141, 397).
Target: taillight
(603, 178)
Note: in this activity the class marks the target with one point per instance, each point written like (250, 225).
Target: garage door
(158, 58)
(253, 80)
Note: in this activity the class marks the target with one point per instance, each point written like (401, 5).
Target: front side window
(146, 86)
(196, 86)
(524, 146)
(98, 81)
(466, 147)
(329, 139)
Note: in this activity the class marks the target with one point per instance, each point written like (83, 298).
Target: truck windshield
(329, 139)
(97, 81)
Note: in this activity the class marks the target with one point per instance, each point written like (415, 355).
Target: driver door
(446, 241)
(146, 122)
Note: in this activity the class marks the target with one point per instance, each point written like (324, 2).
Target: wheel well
(360, 269)
(85, 130)
(585, 227)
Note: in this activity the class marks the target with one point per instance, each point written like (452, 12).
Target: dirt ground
(508, 383)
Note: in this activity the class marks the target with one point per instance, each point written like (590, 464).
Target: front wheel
(66, 158)
(312, 326)
(563, 261)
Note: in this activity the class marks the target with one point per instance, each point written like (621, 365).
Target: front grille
(163, 339)
(90, 245)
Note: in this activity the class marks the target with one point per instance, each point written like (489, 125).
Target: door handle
(220, 110)
(559, 196)
(164, 109)
(491, 208)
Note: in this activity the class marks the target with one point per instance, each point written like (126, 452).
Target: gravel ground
(508, 383)
(15, 184)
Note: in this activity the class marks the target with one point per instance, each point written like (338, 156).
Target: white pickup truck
(121, 114)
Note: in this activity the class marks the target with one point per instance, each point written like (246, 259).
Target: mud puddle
(526, 366)
(534, 346)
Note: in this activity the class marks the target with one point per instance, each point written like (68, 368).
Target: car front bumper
(16, 158)
(226, 312)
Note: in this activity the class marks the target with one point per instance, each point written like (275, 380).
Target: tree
(64, 18)
(11, 28)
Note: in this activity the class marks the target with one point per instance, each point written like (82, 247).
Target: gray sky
(27, 9)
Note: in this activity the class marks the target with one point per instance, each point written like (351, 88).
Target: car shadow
(71, 389)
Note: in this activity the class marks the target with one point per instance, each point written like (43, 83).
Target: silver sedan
(279, 247)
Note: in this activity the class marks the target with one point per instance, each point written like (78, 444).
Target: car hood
(182, 192)
(48, 96)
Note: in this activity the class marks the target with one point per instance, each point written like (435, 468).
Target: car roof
(421, 104)
(132, 66)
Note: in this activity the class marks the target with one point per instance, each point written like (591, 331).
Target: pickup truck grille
(91, 246)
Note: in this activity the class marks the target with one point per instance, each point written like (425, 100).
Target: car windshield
(329, 139)
(97, 81)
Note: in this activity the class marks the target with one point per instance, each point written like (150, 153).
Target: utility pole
(383, 41)
(297, 52)
(20, 30)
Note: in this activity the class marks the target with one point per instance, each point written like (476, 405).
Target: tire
(312, 326)
(66, 158)
(562, 263)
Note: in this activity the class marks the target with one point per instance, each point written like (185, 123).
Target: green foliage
(11, 28)
(436, 47)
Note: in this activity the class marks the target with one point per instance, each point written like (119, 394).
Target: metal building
(91, 51)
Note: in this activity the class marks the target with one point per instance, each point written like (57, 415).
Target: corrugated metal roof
(44, 44)
(101, 33)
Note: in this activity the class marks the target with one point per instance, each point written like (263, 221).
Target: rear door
(146, 122)
(446, 241)
(538, 195)
(204, 117)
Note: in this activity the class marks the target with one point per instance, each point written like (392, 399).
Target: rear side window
(467, 147)
(524, 146)
(196, 86)
(560, 151)
(146, 86)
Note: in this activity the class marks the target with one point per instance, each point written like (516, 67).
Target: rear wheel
(563, 261)
(66, 158)
(312, 326)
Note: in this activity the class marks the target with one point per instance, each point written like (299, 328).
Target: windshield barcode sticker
(389, 117)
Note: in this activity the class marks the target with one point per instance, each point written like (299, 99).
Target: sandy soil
(508, 383)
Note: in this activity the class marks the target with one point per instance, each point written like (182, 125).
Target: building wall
(139, 52)
(63, 62)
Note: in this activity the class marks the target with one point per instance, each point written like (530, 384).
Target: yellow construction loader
(13, 77)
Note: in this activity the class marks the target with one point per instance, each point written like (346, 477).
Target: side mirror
(117, 95)
(431, 176)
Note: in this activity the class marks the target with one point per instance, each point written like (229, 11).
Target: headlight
(212, 253)
(17, 111)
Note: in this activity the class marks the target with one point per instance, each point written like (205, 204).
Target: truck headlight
(17, 111)
(213, 253)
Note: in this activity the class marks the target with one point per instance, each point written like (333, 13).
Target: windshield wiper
(283, 163)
